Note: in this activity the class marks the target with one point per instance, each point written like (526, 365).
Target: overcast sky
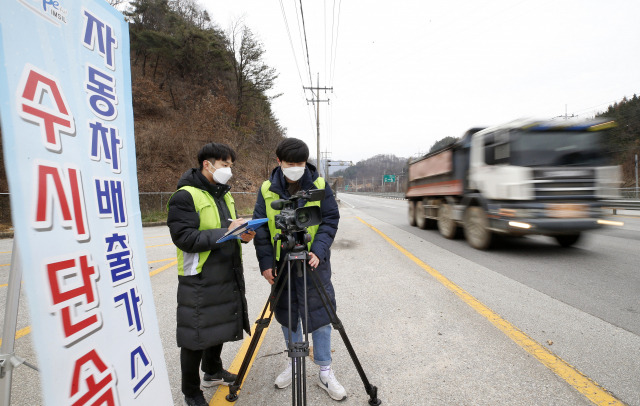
(408, 73)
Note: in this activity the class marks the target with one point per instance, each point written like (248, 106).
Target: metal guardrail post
(8, 360)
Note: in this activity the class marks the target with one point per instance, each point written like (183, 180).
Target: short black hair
(216, 151)
(292, 150)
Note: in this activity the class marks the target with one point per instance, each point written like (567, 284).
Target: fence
(155, 203)
(627, 201)
(153, 206)
(630, 193)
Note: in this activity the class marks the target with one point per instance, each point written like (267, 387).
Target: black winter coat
(212, 308)
(321, 246)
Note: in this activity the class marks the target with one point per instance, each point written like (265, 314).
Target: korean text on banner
(67, 132)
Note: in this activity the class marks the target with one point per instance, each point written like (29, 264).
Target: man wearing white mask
(212, 308)
(292, 175)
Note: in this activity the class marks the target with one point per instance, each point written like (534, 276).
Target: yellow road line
(160, 245)
(20, 333)
(162, 268)
(615, 215)
(27, 329)
(162, 260)
(583, 384)
(218, 398)
(150, 262)
(5, 264)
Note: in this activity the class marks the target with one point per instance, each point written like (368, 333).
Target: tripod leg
(261, 324)
(372, 391)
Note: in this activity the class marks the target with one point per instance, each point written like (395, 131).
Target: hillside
(624, 142)
(192, 84)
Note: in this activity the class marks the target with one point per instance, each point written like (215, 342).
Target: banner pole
(7, 357)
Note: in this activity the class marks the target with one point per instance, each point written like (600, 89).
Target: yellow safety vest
(190, 263)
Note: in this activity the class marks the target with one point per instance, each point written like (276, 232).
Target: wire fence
(156, 202)
(153, 206)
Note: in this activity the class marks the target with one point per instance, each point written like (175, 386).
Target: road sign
(389, 178)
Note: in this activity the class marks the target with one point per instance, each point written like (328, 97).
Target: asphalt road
(420, 340)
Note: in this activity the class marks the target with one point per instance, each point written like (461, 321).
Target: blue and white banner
(69, 153)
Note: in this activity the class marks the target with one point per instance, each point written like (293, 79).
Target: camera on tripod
(292, 219)
(292, 222)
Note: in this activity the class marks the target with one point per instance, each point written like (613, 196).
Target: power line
(304, 30)
(286, 23)
(324, 9)
(333, 22)
(335, 48)
(300, 34)
(295, 59)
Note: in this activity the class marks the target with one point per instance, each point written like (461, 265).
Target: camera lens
(303, 217)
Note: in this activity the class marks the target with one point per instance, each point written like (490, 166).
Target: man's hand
(235, 223)
(314, 261)
(268, 275)
(248, 236)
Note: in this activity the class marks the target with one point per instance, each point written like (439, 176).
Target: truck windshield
(561, 148)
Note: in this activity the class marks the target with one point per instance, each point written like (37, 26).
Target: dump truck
(524, 177)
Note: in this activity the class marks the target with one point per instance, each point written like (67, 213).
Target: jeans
(321, 342)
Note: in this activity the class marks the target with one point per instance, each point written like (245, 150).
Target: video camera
(292, 219)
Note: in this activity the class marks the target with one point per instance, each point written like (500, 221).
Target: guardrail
(153, 205)
(617, 204)
(624, 204)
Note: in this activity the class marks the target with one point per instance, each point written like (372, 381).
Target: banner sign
(69, 153)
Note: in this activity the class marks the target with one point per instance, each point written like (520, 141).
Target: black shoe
(221, 377)
(197, 400)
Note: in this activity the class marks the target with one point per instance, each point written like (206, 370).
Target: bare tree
(252, 76)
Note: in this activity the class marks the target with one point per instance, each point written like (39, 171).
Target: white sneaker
(284, 379)
(332, 386)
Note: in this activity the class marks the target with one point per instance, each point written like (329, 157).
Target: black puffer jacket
(321, 246)
(212, 308)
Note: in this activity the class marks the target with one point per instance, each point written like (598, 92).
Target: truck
(545, 177)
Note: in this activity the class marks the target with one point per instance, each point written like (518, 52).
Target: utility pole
(317, 101)
(326, 163)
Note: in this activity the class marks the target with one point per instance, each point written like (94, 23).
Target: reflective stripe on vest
(270, 196)
(190, 263)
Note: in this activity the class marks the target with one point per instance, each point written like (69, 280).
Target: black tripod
(297, 257)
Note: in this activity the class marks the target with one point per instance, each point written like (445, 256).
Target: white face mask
(294, 173)
(221, 175)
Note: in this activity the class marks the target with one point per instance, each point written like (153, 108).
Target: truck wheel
(421, 220)
(412, 213)
(446, 224)
(567, 240)
(476, 228)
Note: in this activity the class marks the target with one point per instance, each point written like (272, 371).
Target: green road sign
(389, 178)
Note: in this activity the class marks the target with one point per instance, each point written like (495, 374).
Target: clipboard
(250, 225)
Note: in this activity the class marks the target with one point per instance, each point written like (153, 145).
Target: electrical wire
(295, 59)
(304, 30)
(286, 23)
(335, 49)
